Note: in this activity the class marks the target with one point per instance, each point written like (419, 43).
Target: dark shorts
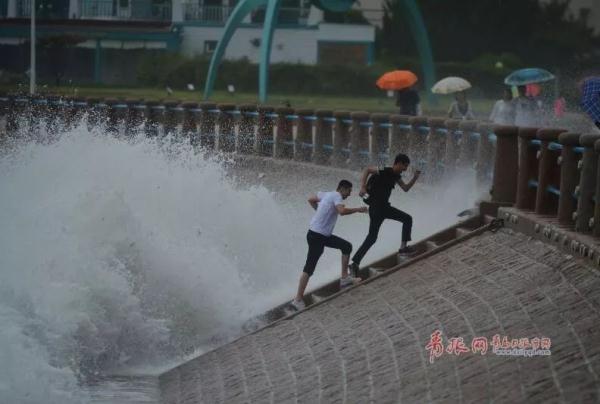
(316, 245)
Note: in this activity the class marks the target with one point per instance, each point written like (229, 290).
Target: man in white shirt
(504, 110)
(320, 235)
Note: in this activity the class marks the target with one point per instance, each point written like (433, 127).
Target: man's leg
(316, 245)
(405, 219)
(376, 217)
(345, 247)
(345, 261)
(302, 286)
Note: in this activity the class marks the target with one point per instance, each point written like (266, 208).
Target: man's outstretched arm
(406, 187)
(343, 210)
(314, 200)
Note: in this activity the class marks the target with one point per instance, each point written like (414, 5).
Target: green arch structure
(244, 7)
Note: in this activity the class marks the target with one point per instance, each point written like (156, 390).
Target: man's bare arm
(343, 210)
(313, 200)
(406, 187)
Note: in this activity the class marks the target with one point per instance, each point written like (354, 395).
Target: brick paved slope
(368, 345)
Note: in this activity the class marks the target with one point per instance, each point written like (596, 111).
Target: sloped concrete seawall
(370, 343)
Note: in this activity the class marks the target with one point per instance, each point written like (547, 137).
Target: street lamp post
(32, 51)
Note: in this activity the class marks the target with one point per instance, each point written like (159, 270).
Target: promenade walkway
(369, 344)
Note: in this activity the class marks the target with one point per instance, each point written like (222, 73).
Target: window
(210, 46)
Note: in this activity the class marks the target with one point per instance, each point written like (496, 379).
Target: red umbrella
(396, 80)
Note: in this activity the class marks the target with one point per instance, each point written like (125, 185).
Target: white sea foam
(121, 255)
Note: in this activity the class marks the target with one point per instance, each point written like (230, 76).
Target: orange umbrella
(396, 80)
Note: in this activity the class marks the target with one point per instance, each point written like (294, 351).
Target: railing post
(154, 117)
(341, 139)
(112, 121)
(485, 156)
(4, 111)
(596, 221)
(38, 112)
(359, 139)
(569, 177)
(417, 141)
(264, 136)
(208, 123)
(284, 138)
(134, 116)
(528, 169)
(400, 133)
(189, 126)
(548, 173)
(14, 123)
(380, 139)
(55, 119)
(323, 137)
(78, 108)
(96, 113)
(226, 135)
(468, 144)
(587, 183)
(304, 147)
(247, 128)
(436, 149)
(452, 144)
(506, 165)
(172, 118)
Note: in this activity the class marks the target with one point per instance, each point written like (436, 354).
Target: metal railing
(125, 10)
(196, 12)
(220, 14)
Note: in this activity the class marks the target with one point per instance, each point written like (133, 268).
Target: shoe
(353, 267)
(348, 281)
(408, 250)
(298, 304)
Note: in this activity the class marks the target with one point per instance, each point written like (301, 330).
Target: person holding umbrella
(403, 82)
(460, 108)
(590, 98)
(503, 112)
(408, 101)
(527, 110)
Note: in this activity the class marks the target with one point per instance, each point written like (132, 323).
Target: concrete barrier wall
(550, 172)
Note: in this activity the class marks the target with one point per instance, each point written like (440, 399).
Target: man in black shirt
(379, 188)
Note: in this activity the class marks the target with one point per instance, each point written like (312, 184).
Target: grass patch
(481, 106)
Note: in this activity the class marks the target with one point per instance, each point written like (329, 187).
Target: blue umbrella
(528, 76)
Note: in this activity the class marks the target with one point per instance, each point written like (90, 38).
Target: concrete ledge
(549, 230)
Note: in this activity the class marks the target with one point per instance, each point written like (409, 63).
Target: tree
(539, 34)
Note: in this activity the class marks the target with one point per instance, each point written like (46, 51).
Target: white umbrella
(450, 85)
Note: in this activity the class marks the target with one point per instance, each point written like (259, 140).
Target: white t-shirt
(323, 221)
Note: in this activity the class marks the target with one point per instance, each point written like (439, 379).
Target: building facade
(102, 28)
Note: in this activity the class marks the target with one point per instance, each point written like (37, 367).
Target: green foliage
(539, 34)
(169, 69)
(54, 42)
(351, 16)
(162, 69)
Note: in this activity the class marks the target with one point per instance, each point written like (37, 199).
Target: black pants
(377, 214)
(317, 243)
